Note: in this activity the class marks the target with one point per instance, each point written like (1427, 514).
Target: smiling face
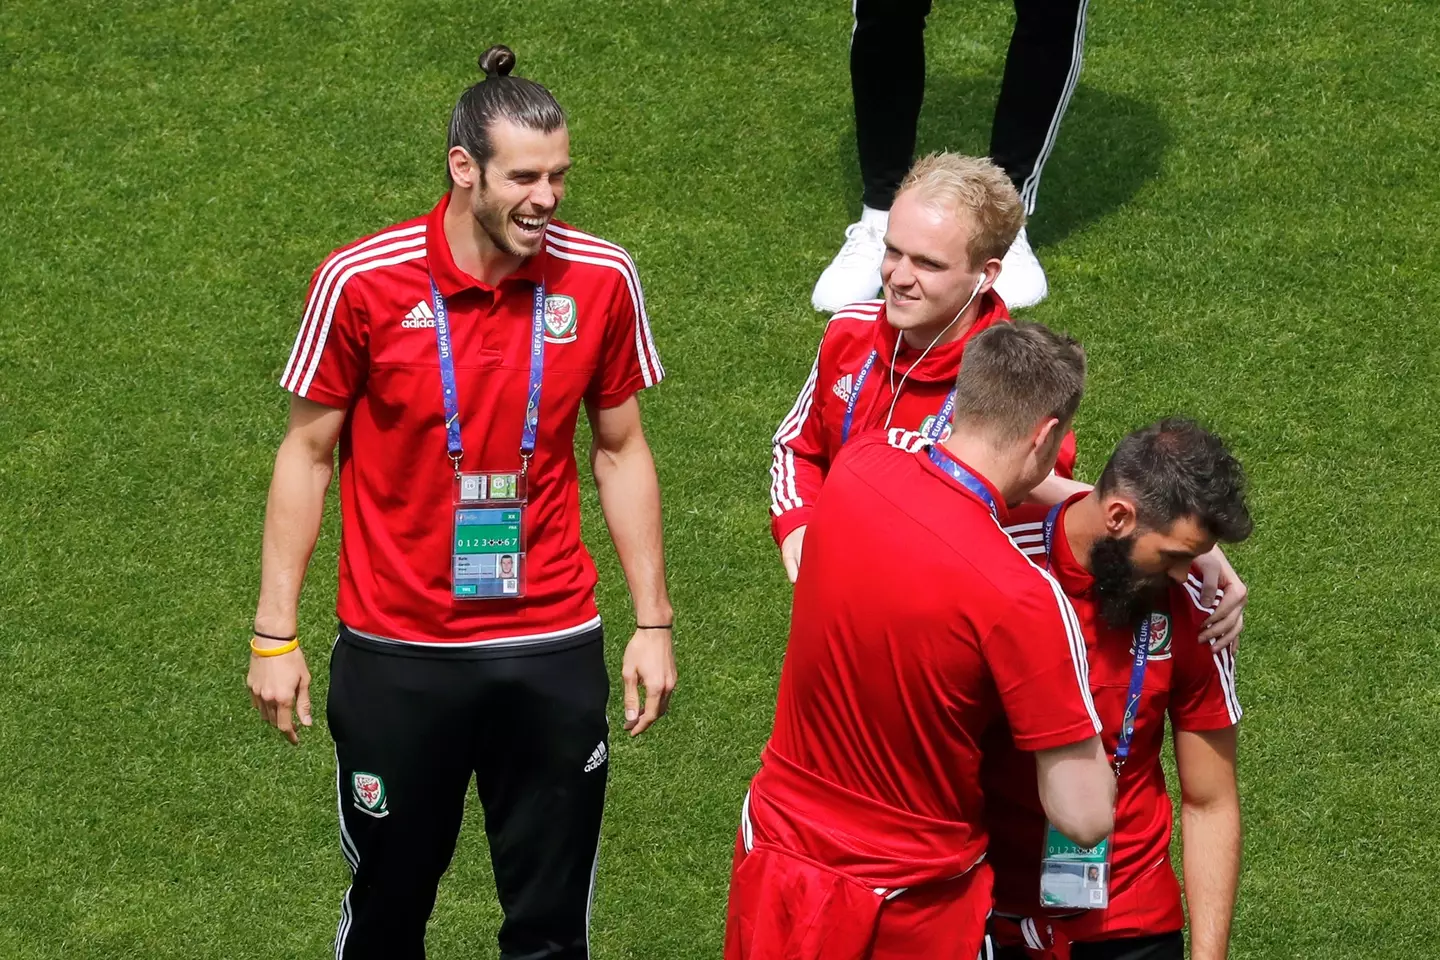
(927, 272)
(521, 186)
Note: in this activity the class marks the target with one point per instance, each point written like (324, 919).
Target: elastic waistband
(489, 650)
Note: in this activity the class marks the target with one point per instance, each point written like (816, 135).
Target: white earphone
(895, 390)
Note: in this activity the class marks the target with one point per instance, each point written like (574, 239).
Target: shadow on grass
(1110, 145)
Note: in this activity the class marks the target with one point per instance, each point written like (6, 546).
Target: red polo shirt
(916, 624)
(367, 345)
(1183, 680)
(809, 437)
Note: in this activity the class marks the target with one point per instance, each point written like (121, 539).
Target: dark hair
(1176, 468)
(499, 97)
(1014, 375)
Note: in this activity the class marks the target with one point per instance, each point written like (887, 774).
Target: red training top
(1183, 678)
(367, 344)
(809, 437)
(916, 623)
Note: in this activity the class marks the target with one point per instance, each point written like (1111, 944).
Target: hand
(279, 688)
(650, 663)
(790, 552)
(1222, 629)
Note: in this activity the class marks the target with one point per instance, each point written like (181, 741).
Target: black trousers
(411, 728)
(887, 76)
(1165, 946)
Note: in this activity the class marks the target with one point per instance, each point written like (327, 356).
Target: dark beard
(1124, 597)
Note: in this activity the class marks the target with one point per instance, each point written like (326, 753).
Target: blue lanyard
(1137, 670)
(964, 477)
(936, 429)
(445, 347)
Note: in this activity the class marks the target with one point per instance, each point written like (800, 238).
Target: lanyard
(444, 346)
(1137, 669)
(936, 429)
(964, 477)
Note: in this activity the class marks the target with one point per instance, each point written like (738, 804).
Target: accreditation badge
(487, 555)
(1073, 877)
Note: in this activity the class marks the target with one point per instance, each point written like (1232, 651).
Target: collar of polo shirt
(451, 279)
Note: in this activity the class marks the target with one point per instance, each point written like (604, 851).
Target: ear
(1048, 434)
(991, 269)
(1120, 516)
(463, 170)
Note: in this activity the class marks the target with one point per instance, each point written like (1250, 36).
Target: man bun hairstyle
(498, 61)
(1014, 375)
(974, 186)
(500, 96)
(1174, 469)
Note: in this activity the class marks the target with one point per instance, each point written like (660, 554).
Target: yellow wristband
(274, 651)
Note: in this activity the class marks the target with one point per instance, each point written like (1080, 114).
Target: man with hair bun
(892, 362)
(1123, 554)
(449, 357)
(862, 836)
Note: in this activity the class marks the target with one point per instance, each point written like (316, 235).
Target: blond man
(892, 362)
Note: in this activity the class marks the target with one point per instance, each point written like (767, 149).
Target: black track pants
(410, 729)
(1165, 946)
(887, 76)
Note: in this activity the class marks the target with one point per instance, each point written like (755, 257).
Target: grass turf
(1239, 221)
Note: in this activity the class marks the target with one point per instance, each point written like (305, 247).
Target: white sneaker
(854, 274)
(1022, 280)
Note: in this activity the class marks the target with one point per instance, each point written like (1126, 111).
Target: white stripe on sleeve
(783, 495)
(332, 276)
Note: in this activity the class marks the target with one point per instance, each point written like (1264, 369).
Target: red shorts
(784, 906)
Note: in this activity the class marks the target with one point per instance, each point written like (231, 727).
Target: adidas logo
(843, 386)
(598, 756)
(420, 316)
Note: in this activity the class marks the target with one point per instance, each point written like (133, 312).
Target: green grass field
(1240, 222)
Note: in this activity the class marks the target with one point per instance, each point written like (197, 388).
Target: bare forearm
(1211, 837)
(292, 525)
(630, 499)
(1056, 489)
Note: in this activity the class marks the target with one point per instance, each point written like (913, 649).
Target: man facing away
(862, 835)
(1123, 554)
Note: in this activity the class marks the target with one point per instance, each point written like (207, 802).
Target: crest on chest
(561, 319)
(1160, 637)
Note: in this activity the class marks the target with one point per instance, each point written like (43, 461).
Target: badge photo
(368, 791)
(560, 319)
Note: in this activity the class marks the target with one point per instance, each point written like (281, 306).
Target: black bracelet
(659, 626)
(271, 636)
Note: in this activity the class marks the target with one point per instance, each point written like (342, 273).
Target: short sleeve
(1036, 654)
(329, 360)
(629, 361)
(1202, 689)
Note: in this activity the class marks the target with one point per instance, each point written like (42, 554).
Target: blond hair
(974, 186)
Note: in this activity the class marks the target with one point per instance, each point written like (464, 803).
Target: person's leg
(887, 79)
(1165, 946)
(541, 761)
(1041, 71)
(402, 754)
